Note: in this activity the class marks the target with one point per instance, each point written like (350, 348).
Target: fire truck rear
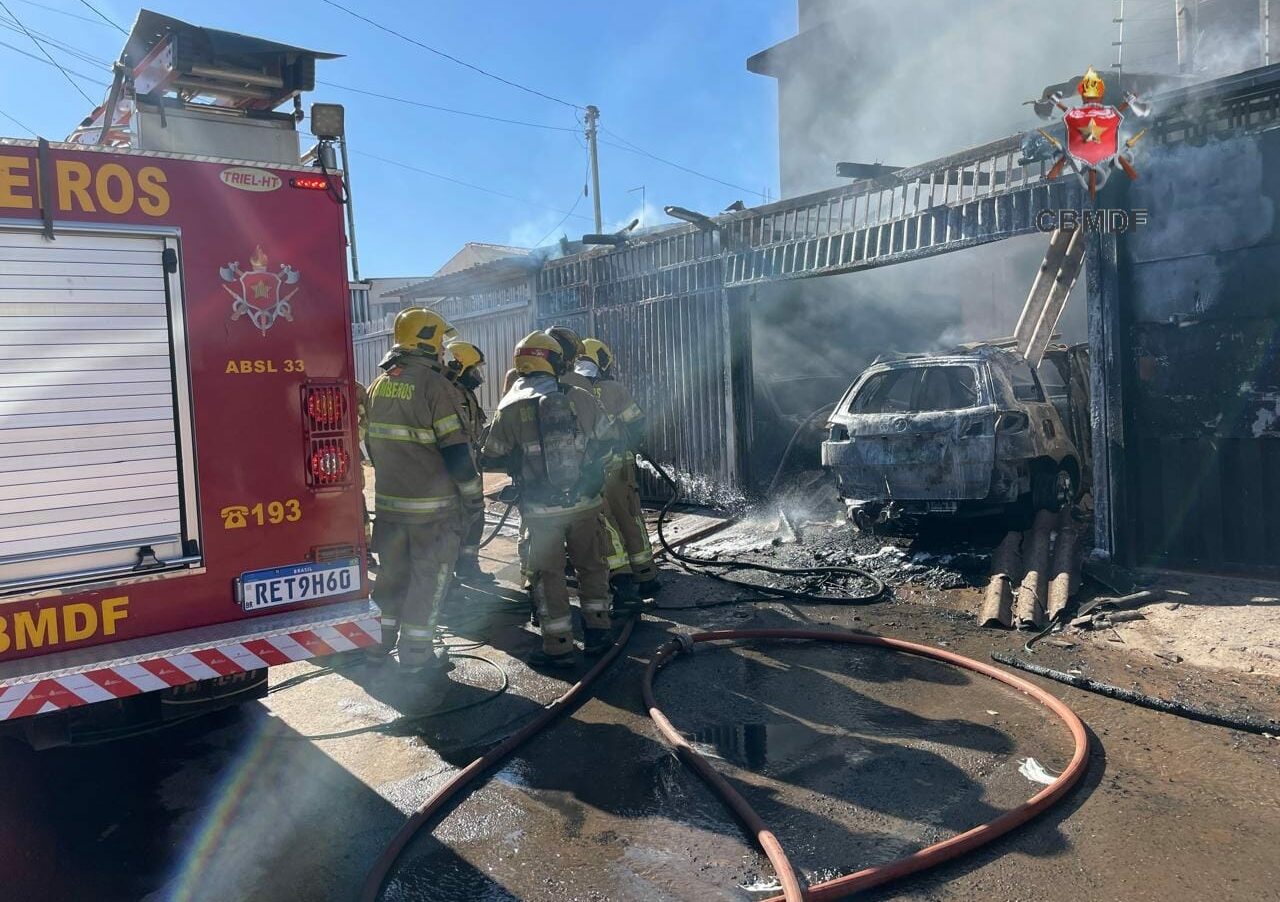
(179, 498)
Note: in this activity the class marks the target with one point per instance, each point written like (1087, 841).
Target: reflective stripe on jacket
(413, 414)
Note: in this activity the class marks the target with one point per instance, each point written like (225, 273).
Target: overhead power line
(61, 12)
(577, 200)
(632, 148)
(64, 72)
(447, 178)
(25, 128)
(450, 57)
(624, 145)
(83, 56)
(445, 109)
(99, 14)
(44, 62)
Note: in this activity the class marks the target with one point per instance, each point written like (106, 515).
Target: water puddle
(755, 745)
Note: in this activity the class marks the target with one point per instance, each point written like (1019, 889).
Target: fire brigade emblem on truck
(1092, 131)
(258, 294)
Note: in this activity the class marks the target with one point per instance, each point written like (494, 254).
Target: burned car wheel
(1052, 488)
(1066, 491)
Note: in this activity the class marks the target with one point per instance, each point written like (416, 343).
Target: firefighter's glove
(591, 479)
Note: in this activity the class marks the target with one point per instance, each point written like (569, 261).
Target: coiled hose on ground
(931, 856)
(467, 778)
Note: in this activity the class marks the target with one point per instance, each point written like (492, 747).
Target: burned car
(972, 431)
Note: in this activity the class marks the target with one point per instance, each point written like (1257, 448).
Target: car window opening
(918, 390)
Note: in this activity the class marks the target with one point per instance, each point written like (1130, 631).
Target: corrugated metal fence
(370, 342)
(662, 308)
(495, 333)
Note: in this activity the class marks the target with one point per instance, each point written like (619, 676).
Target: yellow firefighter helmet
(465, 355)
(598, 353)
(569, 342)
(419, 329)
(538, 352)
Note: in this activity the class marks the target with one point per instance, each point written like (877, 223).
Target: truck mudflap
(102, 673)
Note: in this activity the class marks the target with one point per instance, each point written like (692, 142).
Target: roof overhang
(471, 280)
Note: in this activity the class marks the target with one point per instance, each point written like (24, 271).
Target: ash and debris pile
(804, 525)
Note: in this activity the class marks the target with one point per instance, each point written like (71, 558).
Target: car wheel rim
(1064, 488)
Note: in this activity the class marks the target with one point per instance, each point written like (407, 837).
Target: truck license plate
(301, 582)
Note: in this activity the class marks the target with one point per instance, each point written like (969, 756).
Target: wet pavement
(853, 755)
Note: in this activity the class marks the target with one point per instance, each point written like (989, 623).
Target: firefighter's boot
(626, 598)
(540, 659)
(379, 653)
(596, 642)
(649, 588)
(468, 569)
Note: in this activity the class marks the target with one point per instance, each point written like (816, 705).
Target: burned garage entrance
(1198, 314)
(724, 333)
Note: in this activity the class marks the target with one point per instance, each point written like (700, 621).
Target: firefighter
(426, 486)
(554, 441)
(466, 369)
(621, 584)
(362, 426)
(622, 498)
(621, 579)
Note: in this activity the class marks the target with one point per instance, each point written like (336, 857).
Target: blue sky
(668, 77)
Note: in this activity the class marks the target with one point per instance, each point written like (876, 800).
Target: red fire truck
(179, 491)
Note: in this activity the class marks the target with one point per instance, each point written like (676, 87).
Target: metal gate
(662, 307)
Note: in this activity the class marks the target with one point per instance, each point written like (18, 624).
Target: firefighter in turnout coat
(466, 369)
(426, 486)
(621, 582)
(554, 441)
(621, 495)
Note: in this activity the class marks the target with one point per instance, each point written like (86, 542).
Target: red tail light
(310, 182)
(326, 422)
(330, 463)
(326, 407)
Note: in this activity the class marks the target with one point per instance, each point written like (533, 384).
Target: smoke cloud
(903, 83)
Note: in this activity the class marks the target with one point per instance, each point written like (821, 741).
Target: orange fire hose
(792, 890)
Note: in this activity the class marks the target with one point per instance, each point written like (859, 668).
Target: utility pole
(592, 117)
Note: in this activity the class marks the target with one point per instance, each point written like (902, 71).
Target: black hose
(1178, 709)
(406, 723)
(786, 453)
(774, 591)
(502, 521)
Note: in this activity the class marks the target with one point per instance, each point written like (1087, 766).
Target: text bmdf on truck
(179, 502)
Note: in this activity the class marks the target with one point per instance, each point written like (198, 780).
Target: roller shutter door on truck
(92, 406)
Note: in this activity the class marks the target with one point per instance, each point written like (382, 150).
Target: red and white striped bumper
(108, 672)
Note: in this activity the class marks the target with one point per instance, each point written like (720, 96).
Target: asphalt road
(854, 756)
